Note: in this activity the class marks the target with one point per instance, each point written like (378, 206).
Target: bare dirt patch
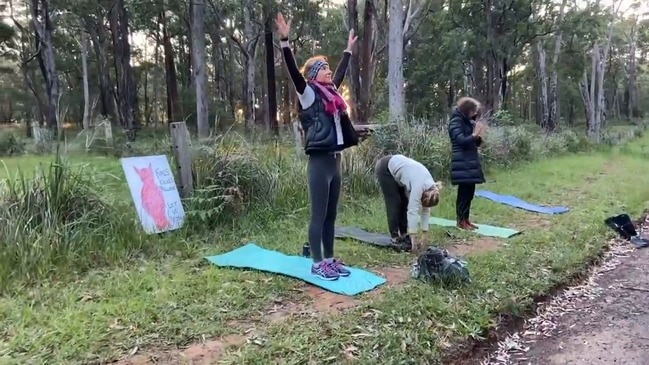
(474, 246)
(322, 301)
(311, 301)
(204, 353)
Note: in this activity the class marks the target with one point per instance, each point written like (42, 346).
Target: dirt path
(604, 321)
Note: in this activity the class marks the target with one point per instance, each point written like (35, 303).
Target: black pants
(395, 197)
(324, 191)
(465, 194)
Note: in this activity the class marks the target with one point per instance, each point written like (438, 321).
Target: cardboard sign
(154, 193)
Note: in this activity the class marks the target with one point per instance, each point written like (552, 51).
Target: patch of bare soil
(313, 301)
(474, 246)
(204, 353)
(603, 321)
(326, 302)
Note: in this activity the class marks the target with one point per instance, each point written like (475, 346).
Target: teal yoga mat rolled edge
(483, 229)
(253, 257)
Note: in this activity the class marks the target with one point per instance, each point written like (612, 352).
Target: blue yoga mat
(254, 257)
(519, 203)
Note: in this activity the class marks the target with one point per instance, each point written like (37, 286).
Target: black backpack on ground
(437, 265)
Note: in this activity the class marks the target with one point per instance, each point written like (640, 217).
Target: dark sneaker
(340, 267)
(402, 244)
(325, 271)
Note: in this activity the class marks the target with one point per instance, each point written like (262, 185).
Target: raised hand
(479, 128)
(351, 40)
(283, 28)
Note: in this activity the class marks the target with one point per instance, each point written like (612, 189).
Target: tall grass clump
(234, 178)
(56, 223)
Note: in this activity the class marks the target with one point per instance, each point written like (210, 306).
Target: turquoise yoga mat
(483, 229)
(254, 257)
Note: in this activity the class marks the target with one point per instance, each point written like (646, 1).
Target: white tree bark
(86, 88)
(401, 28)
(553, 97)
(199, 65)
(250, 66)
(542, 75)
(396, 92)
(588, 96)
(631, 71)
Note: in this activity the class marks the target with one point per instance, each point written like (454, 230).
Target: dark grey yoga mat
(364, 236)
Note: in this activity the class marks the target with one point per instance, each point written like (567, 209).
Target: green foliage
(11, 144)
(504, 146)
(58, 220)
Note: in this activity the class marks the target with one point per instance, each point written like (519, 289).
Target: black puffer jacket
(465, 159)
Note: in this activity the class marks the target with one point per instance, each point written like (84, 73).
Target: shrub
(504, 146)
(58, 220)
(11, 145)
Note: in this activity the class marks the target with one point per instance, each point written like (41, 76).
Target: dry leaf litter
(548, 314)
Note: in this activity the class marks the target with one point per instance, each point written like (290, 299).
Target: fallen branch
(634, 288)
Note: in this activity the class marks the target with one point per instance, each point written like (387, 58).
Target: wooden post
(181, 149)
(108, 133)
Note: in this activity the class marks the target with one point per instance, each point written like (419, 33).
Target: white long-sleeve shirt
(416, 179)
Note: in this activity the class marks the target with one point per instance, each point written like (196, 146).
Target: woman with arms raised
(327, 131)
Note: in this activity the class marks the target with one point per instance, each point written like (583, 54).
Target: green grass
(175, 298)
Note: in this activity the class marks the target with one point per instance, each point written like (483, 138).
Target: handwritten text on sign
(154, 193)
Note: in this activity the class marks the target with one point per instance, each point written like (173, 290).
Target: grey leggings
(324, 191)
(395, 197)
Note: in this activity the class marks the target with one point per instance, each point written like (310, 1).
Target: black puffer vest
(320, 130)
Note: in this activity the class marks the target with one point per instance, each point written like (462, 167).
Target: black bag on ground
(623, 225)
(437, 265)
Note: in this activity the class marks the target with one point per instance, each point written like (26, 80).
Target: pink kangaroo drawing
(153, 201)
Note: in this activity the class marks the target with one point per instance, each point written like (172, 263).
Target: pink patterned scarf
(330, 97)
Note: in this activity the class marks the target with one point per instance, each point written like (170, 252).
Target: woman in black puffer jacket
(466, 169)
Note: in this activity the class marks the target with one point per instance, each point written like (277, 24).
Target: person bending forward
(409, 191)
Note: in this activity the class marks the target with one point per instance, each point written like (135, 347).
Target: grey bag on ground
(437, 265)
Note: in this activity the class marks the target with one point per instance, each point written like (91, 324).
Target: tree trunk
(86, 88)
(44, 30)
(543, 87)
(397, 102)
(363, 65)
(553, 116)
(588, 96)
(631, 72)
(156, 77)
(106, 92)
(126, 93)
(200, 67)
(174, 108)
(271, 93)
(250, 65)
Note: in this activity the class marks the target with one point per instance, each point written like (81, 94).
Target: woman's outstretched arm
(291, 65)
(341, 70)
